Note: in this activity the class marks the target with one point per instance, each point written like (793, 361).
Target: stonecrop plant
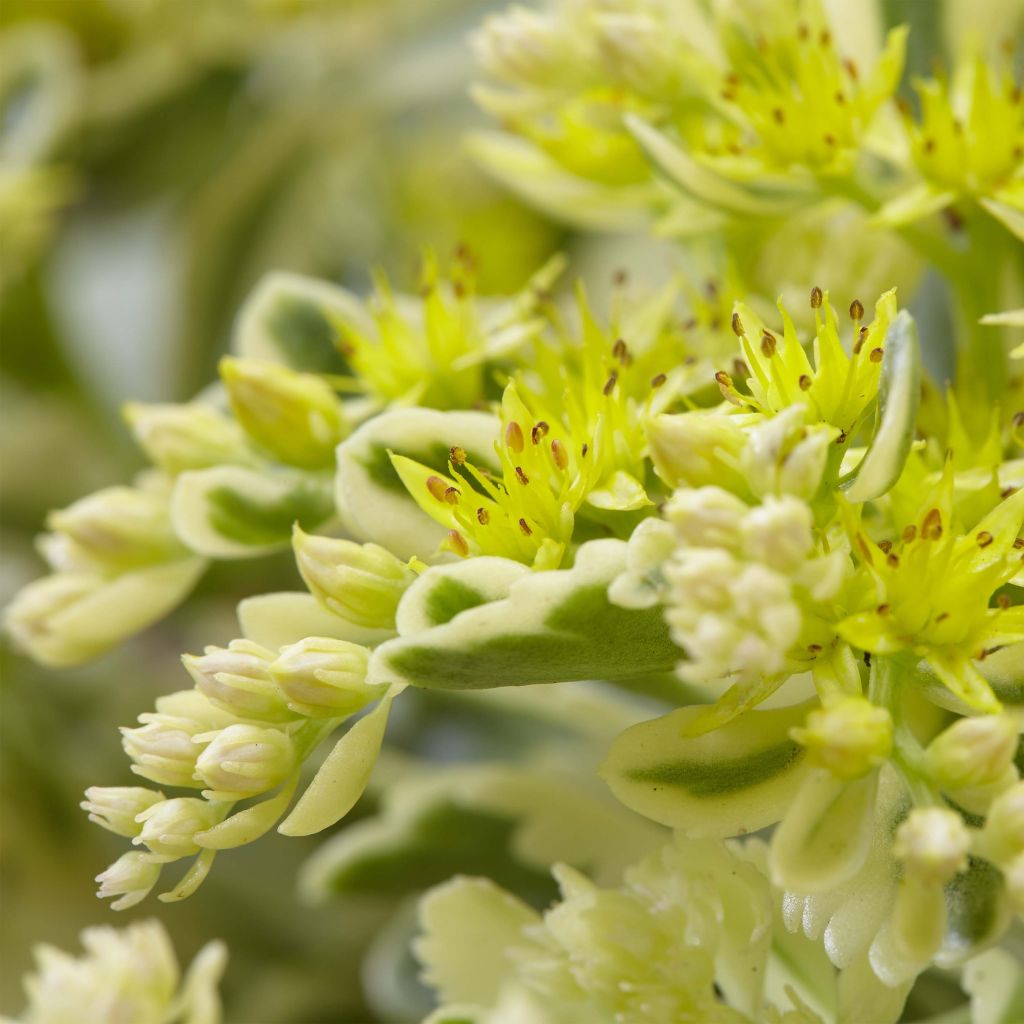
(739, 563)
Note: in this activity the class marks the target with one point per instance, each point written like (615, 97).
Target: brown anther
(825, 38)
(856, 310)
(805, 382)
(437, 487)
(816, 297)
(1018, 419)
(540, 431)
(829, 139)
(862, 336)
(452, 495)
(658, 380)
(521, 476)
(841, 439)
(768, 344)
(525, 527)
(514, 437)
(1019, 543)
(867, 658)
(931, 528)
(457, 455)
(620, 277)
(609, 384)
(559, 454)
(483, 517)
(620, 351)
(984, 539)
(941, 617)
(814, 648)
(883, 609)
(851, 67)
(876, 355)
(1003, 601)
(459, 289)
(892, 561)
(865, 548)
(885, 545)
(458, 543)
(584, 450)
(802, 31)
(737, 325)
(909, 533)
(724, 380)
(779, 115)
(929, 145)
(740, 368)
(1006, 492)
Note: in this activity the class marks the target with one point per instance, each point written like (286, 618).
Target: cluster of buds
(738, 582)
(243, 731)
(973, 760)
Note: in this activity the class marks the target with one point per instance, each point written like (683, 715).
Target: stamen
(525, 527)
(737, 325)
(740, 368)
(768, 344)
(521, 476)
(885, 545)
(893, 561)
(1003, 602)
(658, 380)
(883, 609)
(816, 297)
(458, 543)
(805, 382)
(779, 115)
(620, 351)
(876, 355)
(457, 455)
(984, 539)
(856, 310)
(514, 437)
(483, 517)
(437, 487)
(909, 533)
(931, 528)
(609, 384)
(539, 431)
(560, 455)
(452, 495)
(584, 450)
(862, 336)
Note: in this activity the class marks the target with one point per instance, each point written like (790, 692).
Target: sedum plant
(723, 566)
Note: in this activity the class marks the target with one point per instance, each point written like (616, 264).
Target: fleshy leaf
(735, 780)
(899, 392)
(231, 512)
(289, 319)
(342, 777)
(552, 627)
(371, 498)
(995, 983)
(249, 824)
(275, 620)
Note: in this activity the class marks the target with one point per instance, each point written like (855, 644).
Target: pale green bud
(182, 437)
(116, 807)
(697, 449)
(130, 878)
(849, 738)
(168, 827)
(162, 749)
(244, 760)
(324, 677)
(237, 679)
(973, 751)
(296, 417)
(118, 526)
(707, 517)
(932, 844)
(33, 617)
(784, 455)
(362, 583)
(1003, 835)
(522, 46)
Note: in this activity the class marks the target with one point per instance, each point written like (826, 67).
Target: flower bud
(521, 46)
(244, 760)
(1003, 835)
(786, 456)
(932, 844)
(778, 533)
(131, 877)
(115, 807)
(324, 677)
(642, 585)
(237, 679)
(697, 449)
(973, 751)
(33, 618)
(162, 750)
(849, 738)
(168, 827)
(119, 526)
(181, 437)
(362, 583)
(296, 417)
(707, 517)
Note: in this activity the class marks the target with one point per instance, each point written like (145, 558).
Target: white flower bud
(296, 417)
(33, 618)
(786, 456)
(324, 677)
(521, 46)
(707, 517)
(237, 679)
(162, 750)
(244, 760)
(1003, 835)
(849, 738)
(973, 751)
(697, 449)
(778, 533)
(131, 878)
(932, 844)
(181, 437)
(362, 583)
(168, 828)
(642, 585)
(118, 526)
(115, 807)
